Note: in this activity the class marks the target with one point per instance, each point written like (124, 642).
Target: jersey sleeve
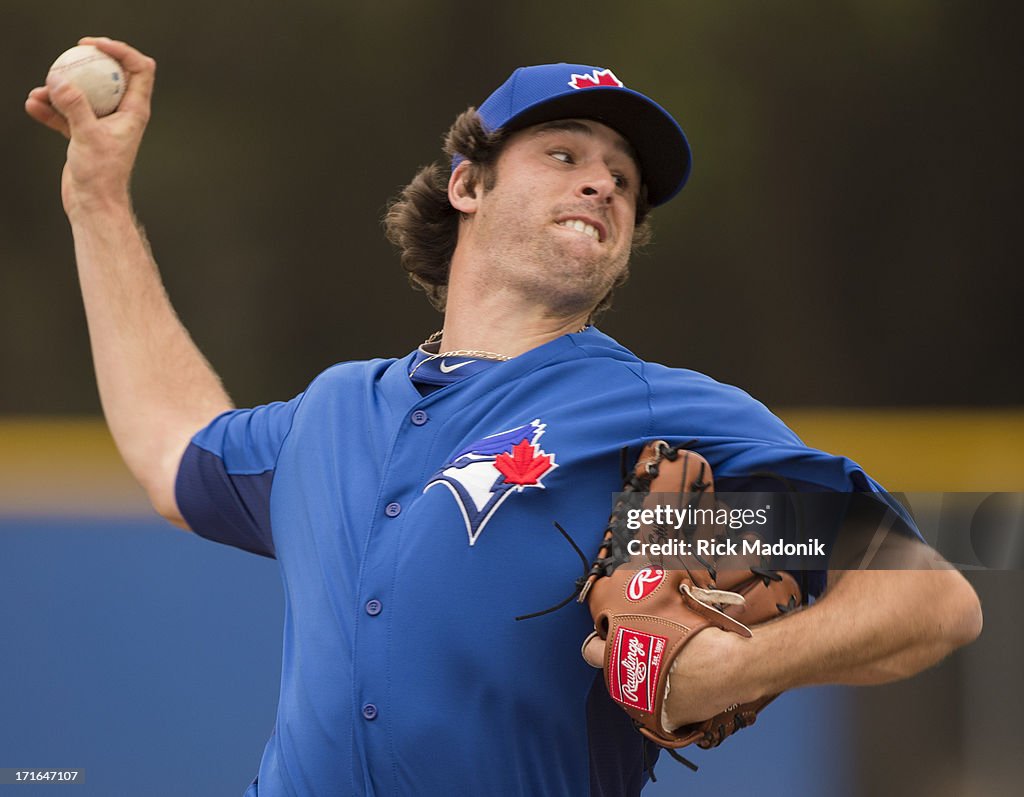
(751, 450)
(783, 468)
(227, 472)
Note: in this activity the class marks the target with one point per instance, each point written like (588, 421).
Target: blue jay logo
(486, 472)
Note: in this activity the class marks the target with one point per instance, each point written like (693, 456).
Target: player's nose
(599, 183)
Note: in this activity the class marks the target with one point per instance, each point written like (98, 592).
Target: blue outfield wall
(151, 659)
(145, 655)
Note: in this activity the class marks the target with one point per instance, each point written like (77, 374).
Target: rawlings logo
(637, 662)
(644, 583)
(599, 77)
(485, 473)
(636, 670)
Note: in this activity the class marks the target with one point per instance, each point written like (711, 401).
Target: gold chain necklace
(478, 354)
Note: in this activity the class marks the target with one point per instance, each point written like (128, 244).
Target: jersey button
(393, 509)
(373, 607)
(370, 711)
(419, 418)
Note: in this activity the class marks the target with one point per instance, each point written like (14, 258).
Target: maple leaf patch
(526, 465)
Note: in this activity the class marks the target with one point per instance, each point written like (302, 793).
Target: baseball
(95, 73)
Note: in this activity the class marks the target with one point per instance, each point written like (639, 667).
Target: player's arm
(156, 388)
(870, 627)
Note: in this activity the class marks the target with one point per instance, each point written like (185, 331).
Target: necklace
(478, 354)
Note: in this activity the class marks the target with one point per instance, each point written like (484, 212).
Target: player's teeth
(581, 226)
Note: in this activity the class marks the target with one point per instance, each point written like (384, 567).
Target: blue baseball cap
(536, 94)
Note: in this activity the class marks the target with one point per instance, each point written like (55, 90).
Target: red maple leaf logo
(599, 77)
(525, 465)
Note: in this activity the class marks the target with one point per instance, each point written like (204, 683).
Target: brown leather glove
(647, 608)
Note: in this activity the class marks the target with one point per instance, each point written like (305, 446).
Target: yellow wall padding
(64, 467)
(923, 450)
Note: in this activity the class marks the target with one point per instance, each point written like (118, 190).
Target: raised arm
(156, 387)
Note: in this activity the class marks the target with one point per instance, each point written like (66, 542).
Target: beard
(551, 266)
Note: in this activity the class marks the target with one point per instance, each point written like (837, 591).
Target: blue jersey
(411, 530)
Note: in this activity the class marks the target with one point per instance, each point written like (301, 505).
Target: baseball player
(410, 501)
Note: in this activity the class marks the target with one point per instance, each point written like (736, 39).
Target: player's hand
(101, 152)
(708, 675)
(712, 673)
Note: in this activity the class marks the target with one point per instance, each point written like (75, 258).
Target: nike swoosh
(447, 369)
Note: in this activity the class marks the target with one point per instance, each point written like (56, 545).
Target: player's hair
(422, 223)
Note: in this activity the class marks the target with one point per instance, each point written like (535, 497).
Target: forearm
(871, 627)
(155, 386)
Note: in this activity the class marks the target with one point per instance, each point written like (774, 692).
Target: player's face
(558, 222)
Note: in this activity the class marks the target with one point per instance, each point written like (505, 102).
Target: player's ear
(462, 188)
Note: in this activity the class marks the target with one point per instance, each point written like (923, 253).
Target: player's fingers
(593, 651)
(38, 107)
(67, 99)
(140, 68)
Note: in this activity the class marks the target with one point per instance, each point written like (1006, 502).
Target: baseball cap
(536, 94)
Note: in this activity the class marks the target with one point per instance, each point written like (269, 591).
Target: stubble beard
(544, 269)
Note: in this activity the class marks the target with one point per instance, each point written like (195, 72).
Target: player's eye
(562, 155)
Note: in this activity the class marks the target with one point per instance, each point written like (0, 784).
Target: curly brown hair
(422, 223)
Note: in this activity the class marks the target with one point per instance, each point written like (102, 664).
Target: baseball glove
(647, 609)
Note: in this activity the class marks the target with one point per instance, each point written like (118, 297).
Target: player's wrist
(713, 672)
(757, 678)
(742, 672)
(99, 205)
